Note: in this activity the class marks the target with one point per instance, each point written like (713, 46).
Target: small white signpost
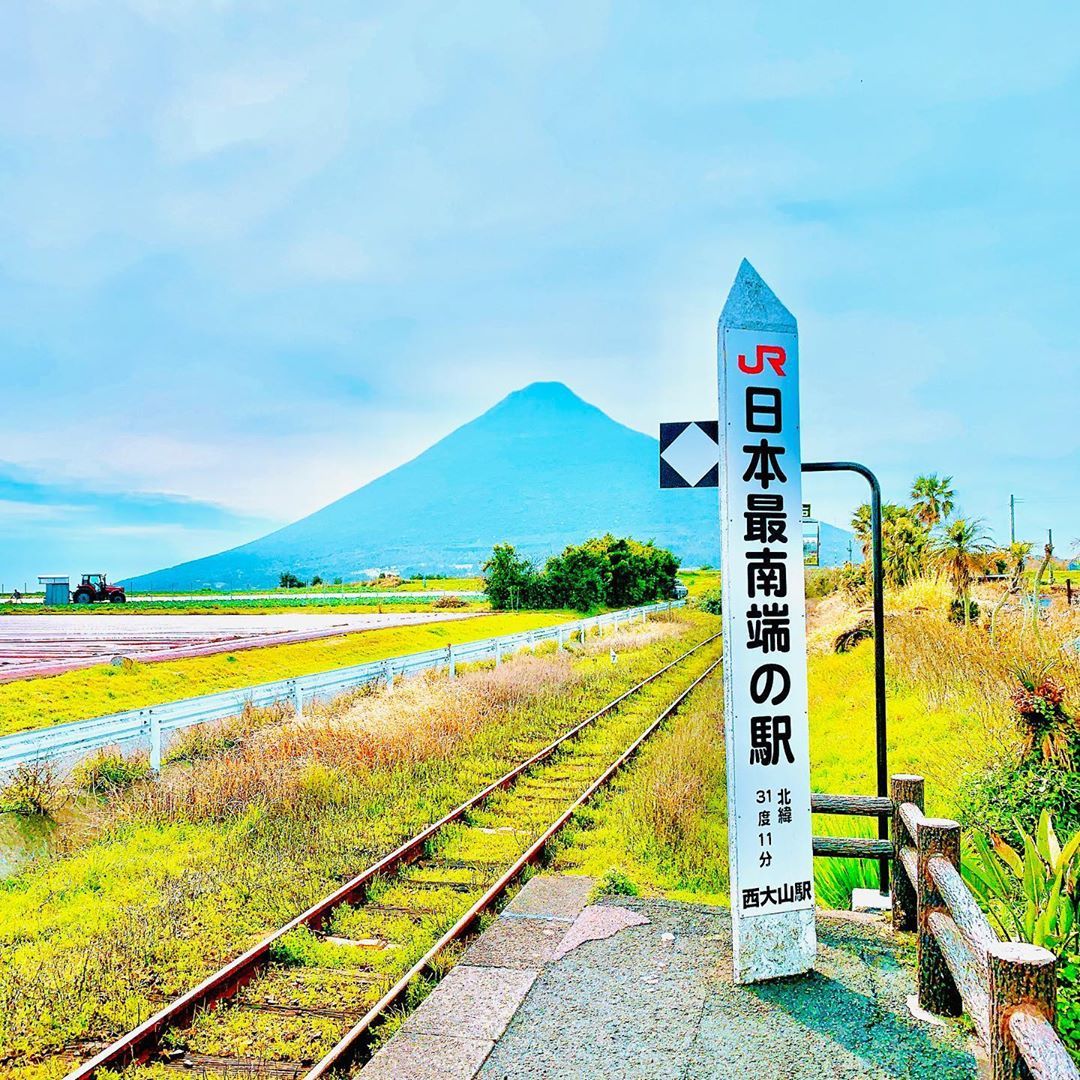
(765, 706)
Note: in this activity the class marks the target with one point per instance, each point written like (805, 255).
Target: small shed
(57, 589)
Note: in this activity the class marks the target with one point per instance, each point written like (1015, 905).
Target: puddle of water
(26, 837)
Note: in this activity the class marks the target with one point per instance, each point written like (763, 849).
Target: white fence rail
(77, 737)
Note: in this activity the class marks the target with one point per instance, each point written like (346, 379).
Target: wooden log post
(905, 788)
(1021, 976)
(937, 991)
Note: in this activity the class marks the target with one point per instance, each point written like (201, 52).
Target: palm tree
(932, 498)
(959, 554)
(860, 526)
(903, 540)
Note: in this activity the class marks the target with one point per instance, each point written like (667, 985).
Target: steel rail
(357, 1039)
(137, 1045)
(150, 722)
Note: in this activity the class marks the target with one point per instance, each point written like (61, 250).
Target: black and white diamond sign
(690, 454)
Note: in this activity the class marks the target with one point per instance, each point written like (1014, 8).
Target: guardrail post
(1020, 975)
(583, 632)
(559, 638)
(451, 667)
(389, 676)
(155, 742)
(937, 991)
(498, 652)
(298, 701)
(905, 789)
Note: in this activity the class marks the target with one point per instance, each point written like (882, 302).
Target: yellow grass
(78, 695)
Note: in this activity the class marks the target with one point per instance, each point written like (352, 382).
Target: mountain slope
(541, 469)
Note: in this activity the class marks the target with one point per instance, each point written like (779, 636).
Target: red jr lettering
(774, 354)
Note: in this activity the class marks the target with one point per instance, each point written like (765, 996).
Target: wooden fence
(1008, 988)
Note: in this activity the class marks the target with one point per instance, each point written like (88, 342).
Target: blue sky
(254, 254)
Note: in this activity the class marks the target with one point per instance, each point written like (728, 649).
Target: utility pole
(1012, 519)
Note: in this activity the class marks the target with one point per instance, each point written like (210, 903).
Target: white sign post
(765, 705)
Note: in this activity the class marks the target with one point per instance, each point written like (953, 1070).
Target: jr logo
(773, 354)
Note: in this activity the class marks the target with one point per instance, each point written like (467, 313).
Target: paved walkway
(633, 988)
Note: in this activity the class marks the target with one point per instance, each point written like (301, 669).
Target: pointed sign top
(752, 305)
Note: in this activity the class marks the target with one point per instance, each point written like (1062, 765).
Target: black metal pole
(880, 718)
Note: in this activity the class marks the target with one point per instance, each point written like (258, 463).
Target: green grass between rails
(91, 941)
(89, 692)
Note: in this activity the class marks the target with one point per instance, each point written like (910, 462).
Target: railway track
(306, 1000)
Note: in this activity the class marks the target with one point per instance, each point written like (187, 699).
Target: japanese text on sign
(765, 637)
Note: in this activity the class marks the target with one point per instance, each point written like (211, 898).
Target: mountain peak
(541, 404)
(552, 394)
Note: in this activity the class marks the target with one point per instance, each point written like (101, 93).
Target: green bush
(108, 771)
(1068, 1003)
(994, 800)
(603, 572)
(956, 610)
(711, 602)
(614, 883)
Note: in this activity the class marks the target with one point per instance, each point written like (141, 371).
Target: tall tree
(959, 553)
(509, 579)
(932, 498)
(903, 541)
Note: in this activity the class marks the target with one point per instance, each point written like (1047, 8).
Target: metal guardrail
(149, 724)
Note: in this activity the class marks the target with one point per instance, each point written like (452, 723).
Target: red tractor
(94, 588)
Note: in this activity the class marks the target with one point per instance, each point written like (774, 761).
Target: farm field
(179, 874)
(34, 647)
(89, 692)
(343, 604)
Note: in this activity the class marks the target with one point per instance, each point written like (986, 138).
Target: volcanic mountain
(541, 469)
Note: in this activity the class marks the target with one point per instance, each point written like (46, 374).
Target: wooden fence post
(905, 789)
(937, 991)
(1020, 975)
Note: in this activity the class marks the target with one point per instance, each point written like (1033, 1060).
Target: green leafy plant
(1068, 1003)
(1034, 895)
(959, 614)
(615, 883)
(711, 602)
(108, 771)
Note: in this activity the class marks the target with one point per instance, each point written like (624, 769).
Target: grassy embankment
(664, 825)
(88, 692)
(189, 870)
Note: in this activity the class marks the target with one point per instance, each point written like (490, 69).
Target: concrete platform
(631, 988)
